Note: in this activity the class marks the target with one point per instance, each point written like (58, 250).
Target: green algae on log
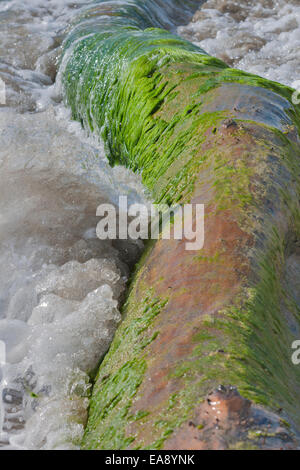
(198, 132)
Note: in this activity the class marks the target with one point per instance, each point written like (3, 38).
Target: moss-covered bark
(198, 131)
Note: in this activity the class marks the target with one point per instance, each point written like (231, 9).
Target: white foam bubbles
(261, 37)
(60, 287)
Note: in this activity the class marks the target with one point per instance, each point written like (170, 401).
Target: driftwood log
(202, 359)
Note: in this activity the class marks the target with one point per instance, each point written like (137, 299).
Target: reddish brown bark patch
(227, 420)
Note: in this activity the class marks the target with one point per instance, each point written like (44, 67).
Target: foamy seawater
(261, 37)
(61, 287)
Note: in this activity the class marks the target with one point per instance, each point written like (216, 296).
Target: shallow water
(261, 37)
(60, 286)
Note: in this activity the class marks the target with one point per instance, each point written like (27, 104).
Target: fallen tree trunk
(221, 320)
